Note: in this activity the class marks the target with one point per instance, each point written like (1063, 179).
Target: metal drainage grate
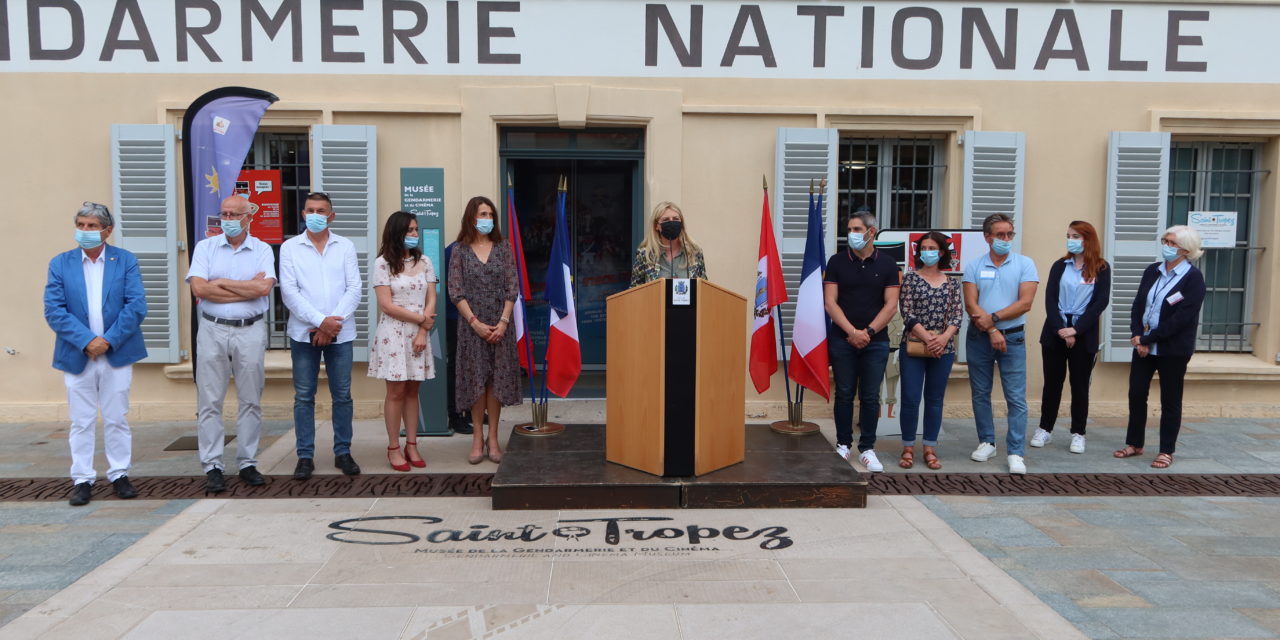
(422, 485)
(1073, 484)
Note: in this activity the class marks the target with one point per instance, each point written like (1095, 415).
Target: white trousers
(100, 387)
(225, 352)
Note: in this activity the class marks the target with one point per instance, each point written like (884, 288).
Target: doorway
(604, 216)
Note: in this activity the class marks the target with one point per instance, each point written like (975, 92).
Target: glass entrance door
(603, 215)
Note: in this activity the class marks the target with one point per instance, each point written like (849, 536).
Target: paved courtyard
(905, 567)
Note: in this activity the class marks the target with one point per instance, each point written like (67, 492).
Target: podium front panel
(681, 363)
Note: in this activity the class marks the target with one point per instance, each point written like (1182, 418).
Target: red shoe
(411, 454)
(403, 466)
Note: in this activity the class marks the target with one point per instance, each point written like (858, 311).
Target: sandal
(411, 454)
(1162, 461)
(907, 460)
(1128, 451)
(931, 460)
(403, 466)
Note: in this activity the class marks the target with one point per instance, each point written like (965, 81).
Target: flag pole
(782, 330)
(513, 227)
(540, 426)
(795, 424)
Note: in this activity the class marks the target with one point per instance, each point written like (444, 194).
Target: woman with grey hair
(1163, 323)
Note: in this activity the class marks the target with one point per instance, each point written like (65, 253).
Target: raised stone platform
(569, 471)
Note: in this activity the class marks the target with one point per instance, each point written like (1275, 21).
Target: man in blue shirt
(999, 287)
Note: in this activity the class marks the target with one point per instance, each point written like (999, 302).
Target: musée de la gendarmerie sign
(1031, 41)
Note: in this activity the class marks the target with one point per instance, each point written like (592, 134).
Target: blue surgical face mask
(484, 225)
(1168, 253)
(232, 228)
(317, 222)
(1075, 246)
(929, 257)
(411, 242)
(1002, 247)
(88, 239)
(857, 240)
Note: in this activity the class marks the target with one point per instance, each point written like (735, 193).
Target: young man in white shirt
(321, 285)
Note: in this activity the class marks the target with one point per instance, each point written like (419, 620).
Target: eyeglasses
(1008, 235)
(233, 216)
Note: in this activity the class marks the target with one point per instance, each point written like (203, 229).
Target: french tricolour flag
(771, 291)
(524, 346)
(564, 357)
(809, 330)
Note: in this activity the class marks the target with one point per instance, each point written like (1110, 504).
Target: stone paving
(933, 566)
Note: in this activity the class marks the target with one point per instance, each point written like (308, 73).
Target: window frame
(887, 146)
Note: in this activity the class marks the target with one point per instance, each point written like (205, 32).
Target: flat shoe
(1127, 452)
(494, 458)
(475, 459)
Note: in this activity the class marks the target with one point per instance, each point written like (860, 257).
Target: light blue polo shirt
(998, 286)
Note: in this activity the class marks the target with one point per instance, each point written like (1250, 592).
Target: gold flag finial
(822, 187)
(564, 184)
(810, 186)
(508, 180)
(765, 181)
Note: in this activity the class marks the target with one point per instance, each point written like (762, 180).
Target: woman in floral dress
(482, 284)
(404, 282)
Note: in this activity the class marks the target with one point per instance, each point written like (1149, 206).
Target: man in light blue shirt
(999, 287)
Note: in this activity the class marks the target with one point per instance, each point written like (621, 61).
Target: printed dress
(391, 355)
(486, 286)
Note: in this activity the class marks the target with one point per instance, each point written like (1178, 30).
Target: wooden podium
(675, 391)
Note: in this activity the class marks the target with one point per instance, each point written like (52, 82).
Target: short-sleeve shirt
(860, 286)
(215, 258)
(998, 285)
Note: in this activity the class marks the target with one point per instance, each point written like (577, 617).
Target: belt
(1017, 329)
(243, 322)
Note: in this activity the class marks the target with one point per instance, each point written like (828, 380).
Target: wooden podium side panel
(720, 429)
(634, 385)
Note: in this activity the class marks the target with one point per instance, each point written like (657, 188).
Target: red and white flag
(524, 345)
(771, 291)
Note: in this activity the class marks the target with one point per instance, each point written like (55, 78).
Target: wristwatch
(995, 317)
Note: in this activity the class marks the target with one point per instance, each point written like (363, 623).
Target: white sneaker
(1077, 443)
(1041, 438)
(842, 451)
(869, 460)
(1017, 466)
(984, 452)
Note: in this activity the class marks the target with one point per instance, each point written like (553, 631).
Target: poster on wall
(422, 194)
(1217, 228)
(262, 188)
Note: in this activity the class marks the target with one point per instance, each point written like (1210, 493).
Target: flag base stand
(794, 425)
(539, 426)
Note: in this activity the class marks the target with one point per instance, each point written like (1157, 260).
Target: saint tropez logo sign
(622, 535)
(1066, 41)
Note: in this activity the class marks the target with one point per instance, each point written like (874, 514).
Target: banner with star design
(217, 131)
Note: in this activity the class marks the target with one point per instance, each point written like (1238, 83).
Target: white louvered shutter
(1137, 199)
(144, 203)
(994, 165)
(344, 165)
(803, 156)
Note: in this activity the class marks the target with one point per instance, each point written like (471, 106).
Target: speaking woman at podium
(667, 251)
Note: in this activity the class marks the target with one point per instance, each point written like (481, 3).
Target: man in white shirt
(95, 303)
(321, 286)
(232, 274)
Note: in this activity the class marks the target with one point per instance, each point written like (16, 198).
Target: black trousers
(1173, 370)
(1058, 360)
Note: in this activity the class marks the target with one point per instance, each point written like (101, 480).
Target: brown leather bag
(917, 349)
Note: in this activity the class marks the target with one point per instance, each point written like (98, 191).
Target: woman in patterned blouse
(931, 314)
(667, 250)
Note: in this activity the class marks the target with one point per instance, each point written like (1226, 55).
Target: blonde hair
(1186, 238)
(652, 243)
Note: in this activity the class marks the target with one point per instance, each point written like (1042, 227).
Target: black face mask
(671, 229)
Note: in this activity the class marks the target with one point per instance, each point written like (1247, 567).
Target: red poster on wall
(262, 187)
(958, 255)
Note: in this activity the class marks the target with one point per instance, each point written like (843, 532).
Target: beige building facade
(1130, 116)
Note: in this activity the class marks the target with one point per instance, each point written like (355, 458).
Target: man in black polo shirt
(861, 294)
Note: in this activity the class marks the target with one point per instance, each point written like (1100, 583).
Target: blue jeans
(1013, 378)
(863, 370)
(928, 376)
(306, 370)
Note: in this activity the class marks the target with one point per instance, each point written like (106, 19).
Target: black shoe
(461, 425)
(124, 490)
(81, 494)
(216, 483)
(304, 469)
(347, 464)
(250, 476)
